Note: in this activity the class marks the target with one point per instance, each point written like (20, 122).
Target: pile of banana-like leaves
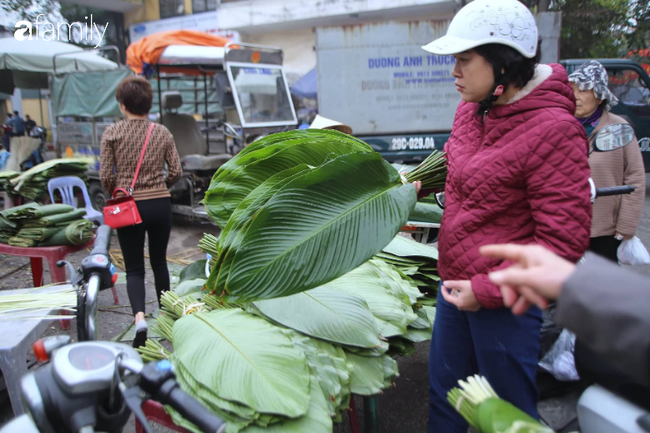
(33, 182)
(310, 291)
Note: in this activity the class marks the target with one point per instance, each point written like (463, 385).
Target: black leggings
(156, 217)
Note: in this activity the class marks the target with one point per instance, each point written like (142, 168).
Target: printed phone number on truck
(413, 143)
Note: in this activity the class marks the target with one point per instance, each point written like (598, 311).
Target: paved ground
(403, 408)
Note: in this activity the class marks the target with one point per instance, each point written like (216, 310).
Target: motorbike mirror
(613, 137)
(440, 199)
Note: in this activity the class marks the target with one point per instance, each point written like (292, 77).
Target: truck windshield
(262, 95)
(627, 86)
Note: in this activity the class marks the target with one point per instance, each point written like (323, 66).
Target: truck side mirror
(613, 137)
(224, 93)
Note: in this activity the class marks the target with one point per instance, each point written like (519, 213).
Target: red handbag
(122, 211)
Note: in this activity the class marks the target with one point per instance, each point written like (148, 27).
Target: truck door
(631, 86)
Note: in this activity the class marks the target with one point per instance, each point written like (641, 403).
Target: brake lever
(133, 397)
(75, 276)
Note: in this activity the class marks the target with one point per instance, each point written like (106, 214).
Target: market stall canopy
(143, 55)
(25, 64)
(307, 86)
(70, 93)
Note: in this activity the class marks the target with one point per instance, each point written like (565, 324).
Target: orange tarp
(142, 55)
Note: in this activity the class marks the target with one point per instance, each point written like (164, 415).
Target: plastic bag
(560, 361)
(632, 252)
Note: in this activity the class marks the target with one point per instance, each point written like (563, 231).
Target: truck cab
(214, 100)
(630, 83)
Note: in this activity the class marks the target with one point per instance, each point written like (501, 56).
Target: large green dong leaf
(226, 192)
(318, 227)
(299, 134)
(244, 359)
(325, 313)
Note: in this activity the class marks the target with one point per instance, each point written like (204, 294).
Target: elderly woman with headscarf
(614, 218)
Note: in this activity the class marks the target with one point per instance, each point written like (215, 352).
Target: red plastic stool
(51, 255)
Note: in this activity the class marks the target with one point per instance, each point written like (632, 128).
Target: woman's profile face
(474, 76)
(586, 101)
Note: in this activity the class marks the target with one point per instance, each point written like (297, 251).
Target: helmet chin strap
(500, 87)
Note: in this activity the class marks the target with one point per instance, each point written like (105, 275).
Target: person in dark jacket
(18, 125)
(29, 124)
(614, 324)
(120, 151)
(517, 172)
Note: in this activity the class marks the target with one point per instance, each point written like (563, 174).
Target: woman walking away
(122, 144)
(615, 218)
(518, 173)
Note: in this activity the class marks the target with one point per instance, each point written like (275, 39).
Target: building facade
(288, 24)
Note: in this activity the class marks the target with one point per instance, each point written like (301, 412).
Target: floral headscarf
(593, 75)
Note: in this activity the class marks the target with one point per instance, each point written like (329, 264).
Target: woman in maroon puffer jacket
(518, 173)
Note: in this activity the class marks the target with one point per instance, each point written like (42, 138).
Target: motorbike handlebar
(194, 411)
(102, 240)
(614, 190)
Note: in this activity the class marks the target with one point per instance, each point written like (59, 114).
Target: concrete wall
(298, 47)
(149, 11)
(282, 14)
(549, 25)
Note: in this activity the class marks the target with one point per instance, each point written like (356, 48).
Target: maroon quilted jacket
(520, 176)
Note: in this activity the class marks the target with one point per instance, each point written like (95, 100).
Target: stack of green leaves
(78, 232)
(260, 378)
(417, 261)
(36, 212)
(33, 182)
(299, 209)
(59, 219)
(332, 317)
(8, 227)
(336, 327)
(33, 225)
(5, 182)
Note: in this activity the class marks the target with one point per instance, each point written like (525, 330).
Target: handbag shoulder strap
(137, 169)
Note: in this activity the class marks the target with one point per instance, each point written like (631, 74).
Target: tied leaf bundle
(39, 304)
(432, 172)
(153, 351)
(477, 402)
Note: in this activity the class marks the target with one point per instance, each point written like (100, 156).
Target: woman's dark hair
(136, 95)
(519, 70)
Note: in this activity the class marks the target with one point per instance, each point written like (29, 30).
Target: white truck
(376, 78)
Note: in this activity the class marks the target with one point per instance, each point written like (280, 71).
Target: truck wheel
(97, 195)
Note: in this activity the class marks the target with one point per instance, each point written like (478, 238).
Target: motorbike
(94, 385)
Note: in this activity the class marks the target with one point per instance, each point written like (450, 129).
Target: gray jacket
(608, 308)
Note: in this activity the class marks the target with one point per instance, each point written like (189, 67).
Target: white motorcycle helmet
(482, 22)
